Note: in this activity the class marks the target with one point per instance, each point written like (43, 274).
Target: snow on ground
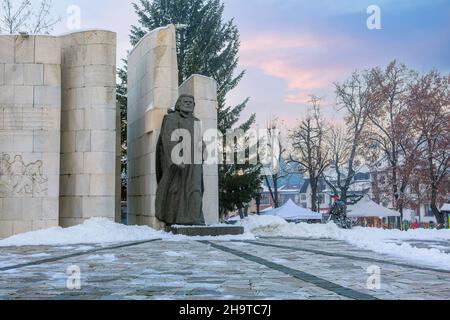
(389, 242)
(101, 231)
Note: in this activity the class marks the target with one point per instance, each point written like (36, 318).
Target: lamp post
(258, 196)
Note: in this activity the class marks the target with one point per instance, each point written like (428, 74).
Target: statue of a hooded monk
(179, 197)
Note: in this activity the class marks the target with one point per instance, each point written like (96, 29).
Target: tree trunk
(314, 196)
(275, 183)
(439, 216)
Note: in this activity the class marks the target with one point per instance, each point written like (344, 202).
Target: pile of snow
(101, 231)
(389, 242)
(93, 231)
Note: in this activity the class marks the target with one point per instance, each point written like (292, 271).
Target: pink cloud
(300, 60)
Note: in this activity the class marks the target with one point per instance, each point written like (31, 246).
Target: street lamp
(258, 196)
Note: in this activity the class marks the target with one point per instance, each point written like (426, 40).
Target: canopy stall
(291, 212)
(369, 209)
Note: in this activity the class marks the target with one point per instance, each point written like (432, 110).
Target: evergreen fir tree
(206, 45)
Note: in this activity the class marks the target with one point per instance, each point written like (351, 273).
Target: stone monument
(57, 130)
(153, 90)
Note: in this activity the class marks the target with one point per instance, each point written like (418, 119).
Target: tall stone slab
(204, 90)
(88, 127)
(57, 130)
(30, 108)
(152, 90)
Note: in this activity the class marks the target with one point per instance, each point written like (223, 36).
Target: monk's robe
(179, 197)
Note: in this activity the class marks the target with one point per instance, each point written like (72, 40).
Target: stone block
(33, 75)
(69, 99)
(31, 208)
(50, 208)
(2, 74)
(154, 119)
(51, 118)
(71, 207)
(23, 141)
(100, 75)
(75, 185)
(103, 141)
(206, 110)
(24, 49)
(100, 37)
(68, 141)
(99, 207)
(52, 186)
(32, 118)
(7, 49)
(47, 96)
(102, 185)
(51, 163)
(52, 75)
(47, 50)
(6, 229)
(70, 222)
(72, 120)
(83, 141)
(7, 95)
(102, 97)
(38, 225)
(100, 119)
(72, 163)
(99, 163)
(13, 118)
(46, 141)
(14, 74)
(22, 227)
(23, 95)
(11, 209)
(72, 77)
(100, 54)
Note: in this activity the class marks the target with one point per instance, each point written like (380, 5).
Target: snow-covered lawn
(390, 242)
(100, 231)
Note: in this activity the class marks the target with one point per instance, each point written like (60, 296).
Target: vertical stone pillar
(88, 128)
(152, 90)
(30, 105)
(204, 90)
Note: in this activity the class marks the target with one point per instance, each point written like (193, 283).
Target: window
(362, 176)
(322, 198)
(303, 197)
(428, 211)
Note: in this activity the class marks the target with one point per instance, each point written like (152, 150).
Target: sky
(291, 49)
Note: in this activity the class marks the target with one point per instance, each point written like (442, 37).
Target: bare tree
(275, 172)
(26, 18)
(356, 98)
(429, 104)
(309, 152)
(389, 130)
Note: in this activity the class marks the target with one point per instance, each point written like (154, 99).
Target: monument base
(205, 231)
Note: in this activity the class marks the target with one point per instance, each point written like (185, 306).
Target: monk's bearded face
(187, 105)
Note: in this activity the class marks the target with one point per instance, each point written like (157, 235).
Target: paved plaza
(267, 268)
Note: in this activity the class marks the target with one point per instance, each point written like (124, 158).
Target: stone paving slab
(165, 270)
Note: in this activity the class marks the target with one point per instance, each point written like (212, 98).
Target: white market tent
(366, 208)
(291, 212)
(446, 207)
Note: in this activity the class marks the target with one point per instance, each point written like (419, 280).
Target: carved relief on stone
(20, 179)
